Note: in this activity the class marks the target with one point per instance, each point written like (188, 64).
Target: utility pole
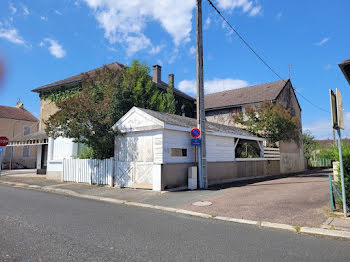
(202, 152)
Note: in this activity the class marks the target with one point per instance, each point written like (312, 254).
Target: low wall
(26, 162)
(175, 175)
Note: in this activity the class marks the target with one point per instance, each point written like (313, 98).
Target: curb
(303, 230)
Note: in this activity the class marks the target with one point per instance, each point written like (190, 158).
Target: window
(181, 152)
(26, 151)
(27, 130)
(247, 149)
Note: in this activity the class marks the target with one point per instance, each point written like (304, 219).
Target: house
(16, 122)
(60, 148)
(345, 68)
(155, 151)
(221, 106)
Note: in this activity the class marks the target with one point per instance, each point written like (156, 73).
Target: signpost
(338, 123)
(4, 141)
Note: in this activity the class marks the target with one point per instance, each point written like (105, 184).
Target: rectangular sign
(196, 142)
(340, 112)
(333, 109)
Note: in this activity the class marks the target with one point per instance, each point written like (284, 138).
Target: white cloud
(25, 10)
(328, 67)
(54, 47)
(124, 19)
(192, 50)
(279, 15)
(250, 7)
(11, 34)
(323, 41)
(44, 18)
(212, 86)
(156, 49)
(207, 23)
(12, 8)
(322, 129)
(58, 12)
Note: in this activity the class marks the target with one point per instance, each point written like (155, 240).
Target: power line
(259, 57)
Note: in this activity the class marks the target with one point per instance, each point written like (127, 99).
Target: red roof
(345, 61)
(75, 78)
(16, 113)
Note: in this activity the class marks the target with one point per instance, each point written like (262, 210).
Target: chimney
(157, 74)
(171, 80)
(19, 104)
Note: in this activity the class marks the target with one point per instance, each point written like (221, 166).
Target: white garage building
(154, 151)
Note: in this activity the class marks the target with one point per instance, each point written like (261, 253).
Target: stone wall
(175, 175)
(47, 108)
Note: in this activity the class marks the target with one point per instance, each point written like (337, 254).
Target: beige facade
(12, 129)
(47, 108)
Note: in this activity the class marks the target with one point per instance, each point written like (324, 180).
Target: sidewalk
(294, 203)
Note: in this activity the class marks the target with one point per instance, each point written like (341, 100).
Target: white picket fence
(92, 171)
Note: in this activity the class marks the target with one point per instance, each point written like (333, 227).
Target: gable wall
(47, 108)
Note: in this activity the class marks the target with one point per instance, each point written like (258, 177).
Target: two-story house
(61, 148)
(16, 122)
(220, 108)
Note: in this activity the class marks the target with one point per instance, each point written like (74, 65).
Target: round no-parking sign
(195, 132)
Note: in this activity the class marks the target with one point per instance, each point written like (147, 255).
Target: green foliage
(309, 144)
(333, 153)
(271, 121)
(346, 166)
(86, 152)
(88, 115)
(168, 102)
(247, 149)
(59, 95)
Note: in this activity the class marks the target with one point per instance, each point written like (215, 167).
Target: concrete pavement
(37, 226)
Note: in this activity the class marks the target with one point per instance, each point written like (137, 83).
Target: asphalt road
(39, 226)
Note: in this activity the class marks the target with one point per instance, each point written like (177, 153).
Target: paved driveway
(299, 200)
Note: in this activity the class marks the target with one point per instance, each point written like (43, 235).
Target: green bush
(333, 154)
(86, 152)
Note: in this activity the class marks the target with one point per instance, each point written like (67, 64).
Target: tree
(309, 145)
(271, 121)
(169, 102)
(87, 116)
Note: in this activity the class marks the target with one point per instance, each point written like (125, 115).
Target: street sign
(196, 142)
(195, 132)
(337, 109)
(340, 112)
(333, 109)
(4, 141)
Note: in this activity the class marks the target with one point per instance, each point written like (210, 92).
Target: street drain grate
(202, 203)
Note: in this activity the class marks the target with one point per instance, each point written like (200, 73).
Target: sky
(44, 41)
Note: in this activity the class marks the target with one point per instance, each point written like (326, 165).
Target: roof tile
(245, 95)
(16, 113)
